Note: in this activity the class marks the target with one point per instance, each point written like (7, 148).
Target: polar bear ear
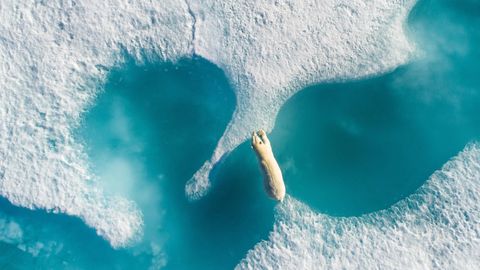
(263, 136)
(254, 139)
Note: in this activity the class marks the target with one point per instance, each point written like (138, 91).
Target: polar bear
(272, 175)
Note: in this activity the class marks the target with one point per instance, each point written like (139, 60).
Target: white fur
(273, 179)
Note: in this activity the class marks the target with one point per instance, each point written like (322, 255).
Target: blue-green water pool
(151, 129)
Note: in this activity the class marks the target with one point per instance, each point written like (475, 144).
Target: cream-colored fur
(273, 179)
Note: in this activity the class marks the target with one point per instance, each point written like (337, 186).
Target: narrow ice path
(272, 49)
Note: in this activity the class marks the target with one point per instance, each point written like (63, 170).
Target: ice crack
(194, 22)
